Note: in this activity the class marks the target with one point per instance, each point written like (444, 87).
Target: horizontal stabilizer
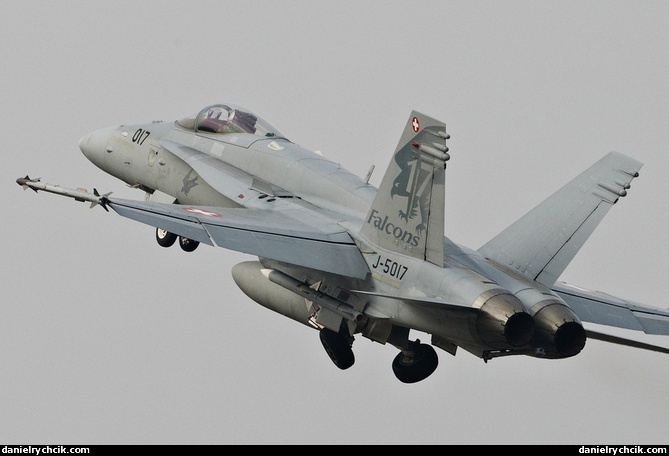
(604, 309)
(622, 341)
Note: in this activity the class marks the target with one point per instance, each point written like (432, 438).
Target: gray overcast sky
(106, 338)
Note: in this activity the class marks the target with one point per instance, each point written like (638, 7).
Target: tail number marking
(390, 267)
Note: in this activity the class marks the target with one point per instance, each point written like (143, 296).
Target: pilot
(212, 122)
(245, 121)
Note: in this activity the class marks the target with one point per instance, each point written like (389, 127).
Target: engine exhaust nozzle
(559, 332)
(502, 321)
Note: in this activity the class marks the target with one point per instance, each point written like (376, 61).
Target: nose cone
(94, 145)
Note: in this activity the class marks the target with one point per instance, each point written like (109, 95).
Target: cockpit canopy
(226, 119)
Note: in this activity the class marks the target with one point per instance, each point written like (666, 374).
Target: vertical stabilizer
(407, 215)
(542, 243)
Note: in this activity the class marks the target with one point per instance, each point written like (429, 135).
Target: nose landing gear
(188, 245)
(165, 238)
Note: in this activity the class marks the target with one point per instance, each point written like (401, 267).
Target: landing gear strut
(415, 363)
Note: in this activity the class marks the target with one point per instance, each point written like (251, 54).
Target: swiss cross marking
(415, 124)
(195, 210)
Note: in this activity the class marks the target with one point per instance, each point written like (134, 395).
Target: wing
(542, 243)
(291, 232)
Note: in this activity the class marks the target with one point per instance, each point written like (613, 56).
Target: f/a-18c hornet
(345, 258)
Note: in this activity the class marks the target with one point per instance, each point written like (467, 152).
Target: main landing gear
(167, 239)
(415, 363)
(338, 348)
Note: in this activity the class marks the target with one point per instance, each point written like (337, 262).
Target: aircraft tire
(337, 348)
(424, 363)
(165, 238)
(188, 245)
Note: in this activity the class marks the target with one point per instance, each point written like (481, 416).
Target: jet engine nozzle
(559, 332)
(502, 320)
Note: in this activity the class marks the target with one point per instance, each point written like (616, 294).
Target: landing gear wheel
(165, 238)
(188, 245)
(338, 348)
(416, 363)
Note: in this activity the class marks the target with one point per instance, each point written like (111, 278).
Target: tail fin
(407, 215)
(542, 243)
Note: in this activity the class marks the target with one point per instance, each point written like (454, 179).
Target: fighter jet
(347, 259)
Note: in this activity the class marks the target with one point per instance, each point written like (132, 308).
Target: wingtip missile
(79, 194)
(23, 182)
(102, 199)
